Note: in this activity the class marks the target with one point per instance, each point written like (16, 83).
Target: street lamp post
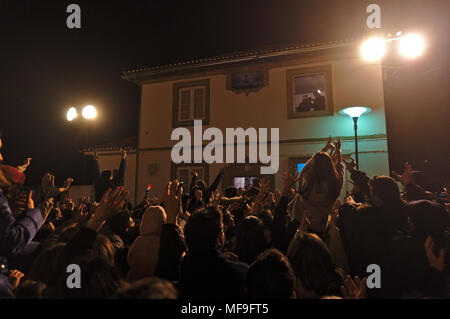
(355, 112)
(89, 112)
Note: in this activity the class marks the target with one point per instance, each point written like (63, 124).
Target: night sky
(46, 67)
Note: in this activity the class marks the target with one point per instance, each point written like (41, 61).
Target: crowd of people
(197, 241)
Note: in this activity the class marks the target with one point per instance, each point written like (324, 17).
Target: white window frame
(191, 103)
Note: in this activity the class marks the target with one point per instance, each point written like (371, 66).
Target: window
(244, 182)
(309, 92)
(191, 102)
(241, 175)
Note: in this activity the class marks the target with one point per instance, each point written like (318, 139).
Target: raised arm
(119, 180)
(172, 245)
(194, 181)
(22, 168)
(413, 191)
(359, 178)
(217, 180)
(280, 217)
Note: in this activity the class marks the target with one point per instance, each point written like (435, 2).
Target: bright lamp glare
(411, 46)
(71, 114)
(355, 111)
(89, 112)
(373, 49)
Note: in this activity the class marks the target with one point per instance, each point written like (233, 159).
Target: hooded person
(144, 252)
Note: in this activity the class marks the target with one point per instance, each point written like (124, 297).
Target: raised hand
(110, 204)
(264, 185)
(14, 277)
(46, 207)
(329, 145)
(22, 201)
(173, 207)
(354, 288)
(124, 153)
(336, 153)
(434, 262)
(67, 183)
(268, 201)
(81, 212)
(27, 162)
(22, 168)
(406, 177)
(215, 198)
(337, 144)
(290, 177)
(96, 156)
(30, 201)
(348, 199)
(276, 195)
(350, 164)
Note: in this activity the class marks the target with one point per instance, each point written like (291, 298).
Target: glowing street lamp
(411, 45)
(89, 112)
(355, 112)
(373, 49)
(72, 114)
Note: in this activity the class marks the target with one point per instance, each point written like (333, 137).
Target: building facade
(298, 90)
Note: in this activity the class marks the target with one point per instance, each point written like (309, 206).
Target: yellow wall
(354, 82)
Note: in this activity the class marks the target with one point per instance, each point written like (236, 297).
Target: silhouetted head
(148, 288)
(204, 230)
(428, 218)
(231, 192)
(384, 191)
(271, 276)
(250, 239)
(315, 272)
(121, 222)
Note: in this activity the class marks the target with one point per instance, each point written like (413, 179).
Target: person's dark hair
(45, 265)
(429, 219)
(148, 288)
(250, 240)
(311, 260)
(30, 289)
(387, 190)
(106, 175)
(270, 276)
(319, 176)
(266, 217)
(103, 248)
(230, 192)
(68, 232)
(202, 229)
(44, 232)
(119, 222)
(252, 191)
(201, 184)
